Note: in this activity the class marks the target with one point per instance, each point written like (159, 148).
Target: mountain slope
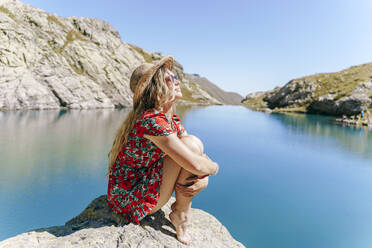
(345, 92)
(47, 62)
(224, 97)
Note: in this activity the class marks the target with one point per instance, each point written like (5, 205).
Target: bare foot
(179, 221)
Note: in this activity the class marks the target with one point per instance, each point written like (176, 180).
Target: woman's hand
(193, 185)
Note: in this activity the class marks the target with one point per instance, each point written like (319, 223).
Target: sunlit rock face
(49, 62)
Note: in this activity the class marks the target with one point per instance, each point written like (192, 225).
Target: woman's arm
(182, 155)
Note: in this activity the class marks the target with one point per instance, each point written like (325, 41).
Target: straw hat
(143, 74)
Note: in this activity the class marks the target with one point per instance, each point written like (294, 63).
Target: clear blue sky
(241, 46)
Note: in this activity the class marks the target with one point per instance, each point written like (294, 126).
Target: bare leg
(180, 212)
(173, 173)
(181, 207)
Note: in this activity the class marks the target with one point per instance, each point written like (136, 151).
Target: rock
(348, 105)
(253, 95)
(50, 62)
(97, 226)
(346, 92)
(324, 105)
(268, 111)
(363, 88)
(294, 92)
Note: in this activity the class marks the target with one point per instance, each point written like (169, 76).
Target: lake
(285, 180)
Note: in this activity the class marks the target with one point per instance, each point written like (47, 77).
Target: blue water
(284, 180)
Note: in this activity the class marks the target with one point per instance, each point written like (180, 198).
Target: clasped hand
(193, 185)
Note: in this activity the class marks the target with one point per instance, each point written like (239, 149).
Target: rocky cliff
(97, 226)
(224, 97)
(345, 92)
(48, 62)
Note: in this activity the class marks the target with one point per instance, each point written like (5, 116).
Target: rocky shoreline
(347, 92)
(98, 226)
(352, 122)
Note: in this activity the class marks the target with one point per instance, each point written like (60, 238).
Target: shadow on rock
(98, 214)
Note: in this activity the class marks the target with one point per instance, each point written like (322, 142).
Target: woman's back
(135, 177)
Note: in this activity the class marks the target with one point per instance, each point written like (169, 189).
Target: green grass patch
(54, 19)
(193, 85)
(145, 56)
(187, 96)
(8, 13)
(256, 103)
(341, 95)
(343, 82)
(71, 36)
(295, 109)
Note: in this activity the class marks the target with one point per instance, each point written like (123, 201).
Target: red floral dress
(135, 177)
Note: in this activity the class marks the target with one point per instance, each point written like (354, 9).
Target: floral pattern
(135, 177)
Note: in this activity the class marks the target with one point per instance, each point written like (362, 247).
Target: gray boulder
(358, 100)
(293, 93)
(97, 226)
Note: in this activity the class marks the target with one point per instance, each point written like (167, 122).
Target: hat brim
(147, 76)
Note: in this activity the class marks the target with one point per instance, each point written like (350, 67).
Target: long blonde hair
(155, 95)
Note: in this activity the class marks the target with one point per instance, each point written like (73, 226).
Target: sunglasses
(173, 78)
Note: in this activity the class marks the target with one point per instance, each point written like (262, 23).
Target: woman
(152, 154)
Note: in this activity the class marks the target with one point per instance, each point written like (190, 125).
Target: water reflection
(35, 142)
(357, 140)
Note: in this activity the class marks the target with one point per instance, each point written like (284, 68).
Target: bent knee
(194, 143)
